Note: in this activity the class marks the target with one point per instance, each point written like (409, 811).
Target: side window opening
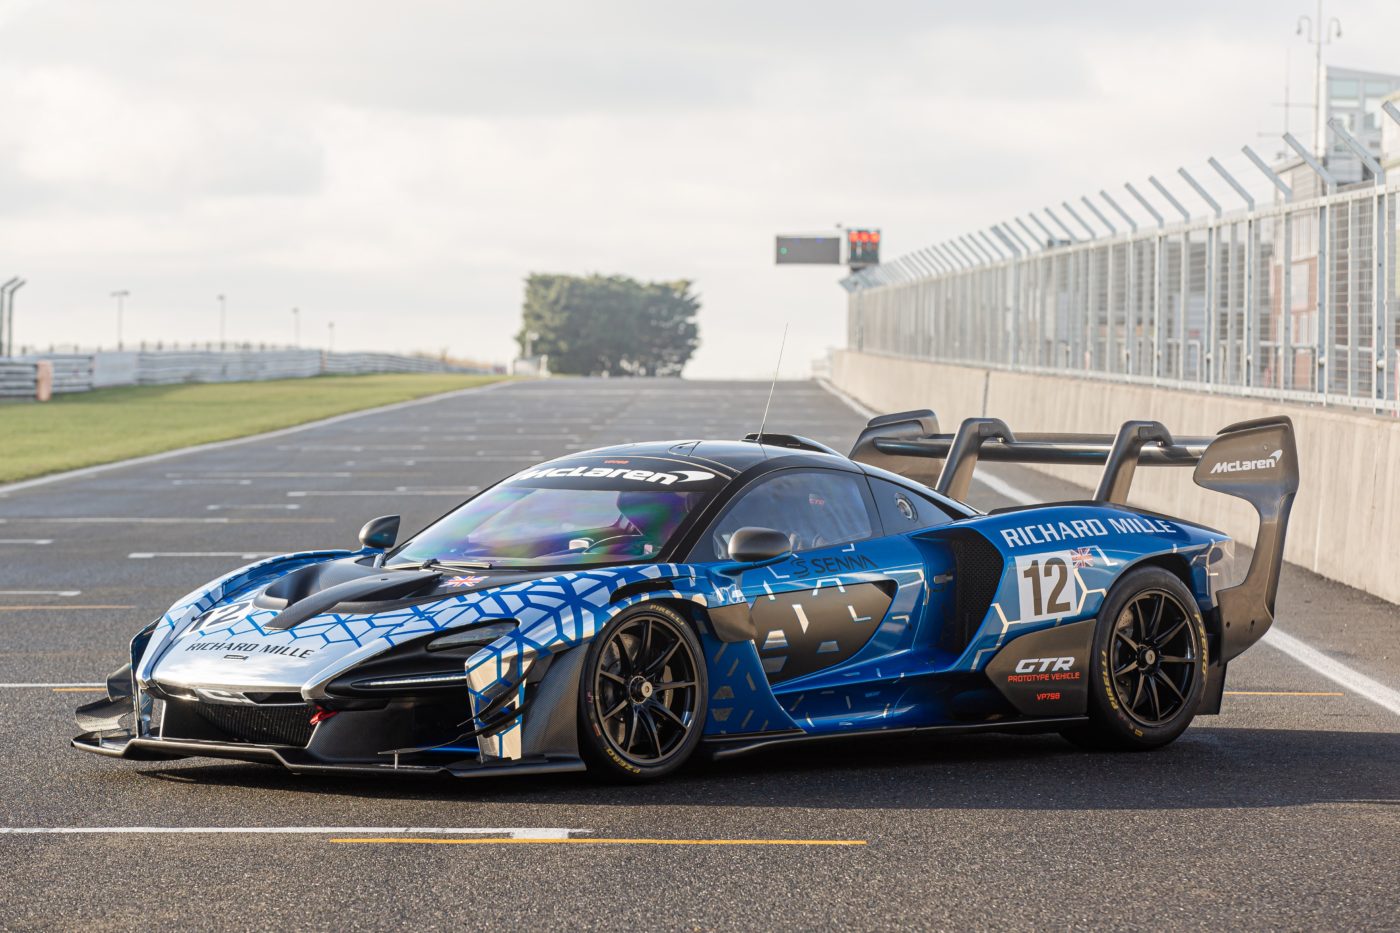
(904, 509)
(815, 508)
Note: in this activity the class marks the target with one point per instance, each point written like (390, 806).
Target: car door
(817, 609)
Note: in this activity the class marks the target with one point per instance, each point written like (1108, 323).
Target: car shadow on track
(1206, 768)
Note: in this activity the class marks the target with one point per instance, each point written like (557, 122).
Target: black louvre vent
(263, 725)
(977, 574)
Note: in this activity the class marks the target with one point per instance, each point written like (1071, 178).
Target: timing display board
(809, 250)
(865, 248)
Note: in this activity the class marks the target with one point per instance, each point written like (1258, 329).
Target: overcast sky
(399, 168)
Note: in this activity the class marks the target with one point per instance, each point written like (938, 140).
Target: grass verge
(89, 428)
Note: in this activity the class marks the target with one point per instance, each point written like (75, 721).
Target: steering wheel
(603, 543)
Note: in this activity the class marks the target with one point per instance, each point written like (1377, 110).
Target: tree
(611, 325)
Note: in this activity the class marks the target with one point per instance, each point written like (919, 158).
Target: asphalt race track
(1283, 812)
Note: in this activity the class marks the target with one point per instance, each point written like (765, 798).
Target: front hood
(308, 626)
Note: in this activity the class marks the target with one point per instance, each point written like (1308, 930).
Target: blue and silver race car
(620, 609)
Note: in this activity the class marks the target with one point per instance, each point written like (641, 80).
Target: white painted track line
(46, 686)
(1334, 670)
(242, 555)
(36, 541)
(233, 442)
(343, 474)
(1298, 650)
(382, 493)
(353, 448)
(515, 832)
(214, 520)
(998, 486)
(215, 481)
(225, 507)
(847, 400)
(41, 592)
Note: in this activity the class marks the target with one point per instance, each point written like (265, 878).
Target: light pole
(1320, 32)
(296, 327)
(5, 348)
(7, 313)
(121, 295)
(222, 318)
(330, 337)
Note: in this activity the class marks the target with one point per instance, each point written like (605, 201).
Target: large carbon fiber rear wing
(1254, 460)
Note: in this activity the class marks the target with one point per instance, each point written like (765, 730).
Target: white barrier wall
(114, 369)
(1344, 523)
(83, 372)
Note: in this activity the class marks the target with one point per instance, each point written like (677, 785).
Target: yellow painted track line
(57, 606)
(506, 840)
(1279, 693)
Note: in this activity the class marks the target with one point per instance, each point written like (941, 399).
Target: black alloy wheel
(643, 695)
(1147, 670)
(1155, 656)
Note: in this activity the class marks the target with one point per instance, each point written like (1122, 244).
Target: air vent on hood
(381, 587)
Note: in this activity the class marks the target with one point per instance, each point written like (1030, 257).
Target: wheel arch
(1179, 566)
(1171, 561)
(694, 613)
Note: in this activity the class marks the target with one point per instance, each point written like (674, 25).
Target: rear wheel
(1147, 673)
(642, 695)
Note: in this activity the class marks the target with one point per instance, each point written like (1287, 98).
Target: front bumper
(428, 732)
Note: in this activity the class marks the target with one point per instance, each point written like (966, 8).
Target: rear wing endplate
(1254, 460)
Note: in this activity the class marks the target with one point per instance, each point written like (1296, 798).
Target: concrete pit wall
(1346, 519)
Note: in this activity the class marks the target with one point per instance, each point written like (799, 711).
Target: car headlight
(442, 679)
(480, 635)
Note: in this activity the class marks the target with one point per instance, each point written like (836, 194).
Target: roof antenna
(764, 423)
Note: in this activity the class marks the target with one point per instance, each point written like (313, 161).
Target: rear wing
(1254, 460)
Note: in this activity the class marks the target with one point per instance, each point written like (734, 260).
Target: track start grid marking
(531, 833)
(598, 841)
(63, 593)
(416, 835)
(241, 555)
(65, 607)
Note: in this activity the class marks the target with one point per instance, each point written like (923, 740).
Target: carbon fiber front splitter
(299, 761)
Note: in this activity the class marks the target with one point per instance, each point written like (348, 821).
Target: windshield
(553, 520)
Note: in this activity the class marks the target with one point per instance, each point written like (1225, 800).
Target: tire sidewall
(595, 748)
(1105, 709)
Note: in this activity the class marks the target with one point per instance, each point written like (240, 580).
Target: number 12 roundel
(1048, 586)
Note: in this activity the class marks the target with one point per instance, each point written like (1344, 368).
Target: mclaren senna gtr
(621, 609)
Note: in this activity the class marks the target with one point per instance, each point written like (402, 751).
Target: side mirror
(754, 545)
(380, 533)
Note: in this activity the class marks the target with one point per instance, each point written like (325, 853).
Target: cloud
(402, 170)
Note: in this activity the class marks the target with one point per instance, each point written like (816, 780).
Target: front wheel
(642, 695)
(1147, 673)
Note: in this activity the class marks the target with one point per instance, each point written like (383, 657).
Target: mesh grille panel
(978, 568)
(265, 725)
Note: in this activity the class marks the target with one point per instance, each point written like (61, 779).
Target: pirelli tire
(642, 696)
(1147, 668)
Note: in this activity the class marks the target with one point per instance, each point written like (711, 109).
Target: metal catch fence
(1294, 300)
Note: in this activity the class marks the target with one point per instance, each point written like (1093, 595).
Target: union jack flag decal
(1081, 557)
